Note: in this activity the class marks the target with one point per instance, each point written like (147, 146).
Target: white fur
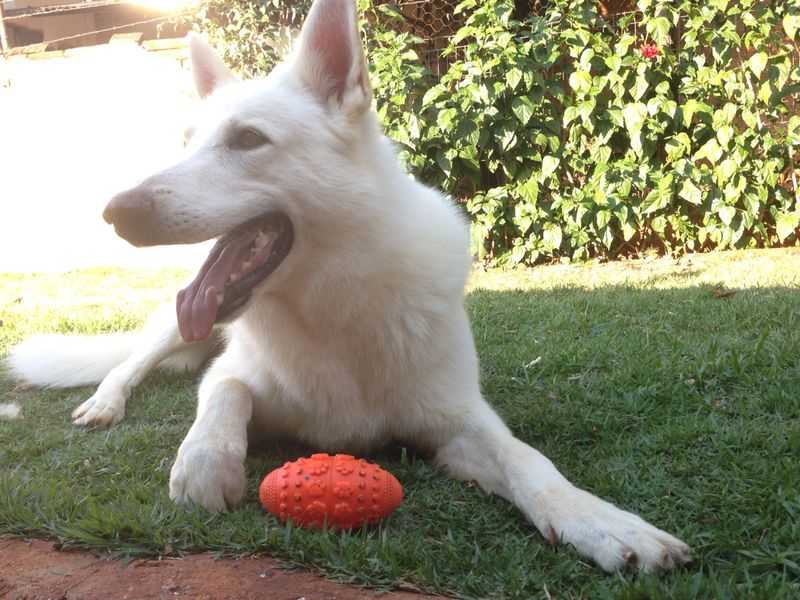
(63, 361)
(360, 336)
(68, 360)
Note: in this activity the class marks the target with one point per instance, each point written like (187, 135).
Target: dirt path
(35, 570)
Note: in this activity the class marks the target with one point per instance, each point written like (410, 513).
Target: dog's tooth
(234, 277)
(263, 239)
(220, 297)
(246, 265)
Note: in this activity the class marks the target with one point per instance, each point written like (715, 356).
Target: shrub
(567, 134)
(251, 34)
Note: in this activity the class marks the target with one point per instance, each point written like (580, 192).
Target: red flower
(650, 51)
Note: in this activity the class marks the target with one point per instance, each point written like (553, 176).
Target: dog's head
(265, 161)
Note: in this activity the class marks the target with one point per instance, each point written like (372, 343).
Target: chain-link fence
(435, 22)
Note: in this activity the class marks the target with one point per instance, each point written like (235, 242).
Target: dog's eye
(247, 139)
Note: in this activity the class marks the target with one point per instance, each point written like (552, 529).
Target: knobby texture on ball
(342, 491)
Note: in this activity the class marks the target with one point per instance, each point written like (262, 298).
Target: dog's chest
(333, 388)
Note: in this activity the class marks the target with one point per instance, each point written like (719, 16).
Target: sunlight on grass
(734, 270)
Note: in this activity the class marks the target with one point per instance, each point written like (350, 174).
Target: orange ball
(340, 490)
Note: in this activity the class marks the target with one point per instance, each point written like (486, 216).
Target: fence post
(3, 36)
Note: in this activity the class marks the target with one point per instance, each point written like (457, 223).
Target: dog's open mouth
(239, 261)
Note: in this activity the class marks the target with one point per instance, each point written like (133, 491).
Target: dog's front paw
(207, 476)
(104, 409)
(611, 537)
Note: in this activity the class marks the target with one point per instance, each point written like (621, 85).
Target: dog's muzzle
(132, 213)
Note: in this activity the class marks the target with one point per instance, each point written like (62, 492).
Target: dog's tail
(62, 361)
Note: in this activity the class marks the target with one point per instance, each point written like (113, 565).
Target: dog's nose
(132, 215)
(129, 207)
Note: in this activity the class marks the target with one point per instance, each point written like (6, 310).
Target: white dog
(341, 280)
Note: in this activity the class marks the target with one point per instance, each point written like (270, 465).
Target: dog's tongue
(197, 303)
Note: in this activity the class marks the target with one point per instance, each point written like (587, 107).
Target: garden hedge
(568, 132)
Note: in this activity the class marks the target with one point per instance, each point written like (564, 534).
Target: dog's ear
(208, 69)
(330, 59)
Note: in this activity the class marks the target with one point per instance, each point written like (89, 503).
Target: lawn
(669, 387)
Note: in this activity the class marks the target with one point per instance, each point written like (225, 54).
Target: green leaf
(570, 115)
(522, 108)
(504, 11)
(729, 112)
(445, 118)
(640, 89)
(585, 109)
(616, 117)
(793, 130)
(608, 238)
(529, 191)
(465, 4)
(518, 254)
(725, 171)
(750, 119)
(601, 155)
(758, 63)
(551, 236)
(765, 92)
(581, 82)
(413, 126)
(724, 135)
(586, 59)
(634, 115)
(549, 166)
(506, 135)
(636, 142)
(652, 202)
(432, 94)
(625, 42)
(726, 214)
(675, 149)
(444, 162)
(462, 34)
(628, 231)
(692, 107)
(709, 150)
(613, 62)
(791, 23)
(390, 10)
(513, 77)
(786, 224)
(690, 192)
(658, 29)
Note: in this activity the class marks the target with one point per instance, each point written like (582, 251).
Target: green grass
(639, 381)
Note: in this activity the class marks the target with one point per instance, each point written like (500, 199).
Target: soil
(36, 570)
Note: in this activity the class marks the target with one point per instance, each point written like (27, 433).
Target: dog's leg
(484, 450)
(158, 341)
(209, 468)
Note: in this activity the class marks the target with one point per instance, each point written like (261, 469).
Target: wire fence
(433, 21)
(55, 9)
(109, 29)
